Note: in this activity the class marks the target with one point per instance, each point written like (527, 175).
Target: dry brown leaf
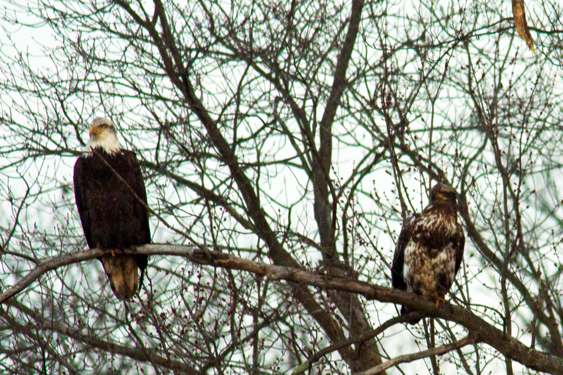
(521, 24)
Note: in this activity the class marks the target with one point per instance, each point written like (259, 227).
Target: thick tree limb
(325, 211)
(322, 161)
(485, 332)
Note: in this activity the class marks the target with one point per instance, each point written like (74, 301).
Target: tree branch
(423, 354)
(485, 332)
(305, 366)
(138, 354)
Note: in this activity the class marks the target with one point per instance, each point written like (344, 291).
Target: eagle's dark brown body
(430, 248)
(112, 213)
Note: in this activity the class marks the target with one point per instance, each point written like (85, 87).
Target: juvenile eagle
(111, 199)
(430, 248)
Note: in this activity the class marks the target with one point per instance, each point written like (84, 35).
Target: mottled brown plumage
(430, 248)
(110, 192)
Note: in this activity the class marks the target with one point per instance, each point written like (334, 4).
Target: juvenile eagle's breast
(430, 254)
(429, 271)
(429, 249)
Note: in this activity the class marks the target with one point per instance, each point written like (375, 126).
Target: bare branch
(485, 332)
(423, 354)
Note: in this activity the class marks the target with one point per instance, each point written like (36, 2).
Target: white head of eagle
(104, 135)
(430, 248)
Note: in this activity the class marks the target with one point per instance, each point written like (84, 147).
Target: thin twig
(424, 354)
(353, 340)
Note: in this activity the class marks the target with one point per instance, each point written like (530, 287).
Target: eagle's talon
(438, 299)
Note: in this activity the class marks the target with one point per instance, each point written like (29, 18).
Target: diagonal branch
(423, 354)
(48, 265)
(305, 366)
(485, 332)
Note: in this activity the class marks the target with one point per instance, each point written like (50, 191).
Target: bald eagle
(111, 199)
(430, 248)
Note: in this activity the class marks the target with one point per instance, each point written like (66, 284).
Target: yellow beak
(95, 130)
(440, 196)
